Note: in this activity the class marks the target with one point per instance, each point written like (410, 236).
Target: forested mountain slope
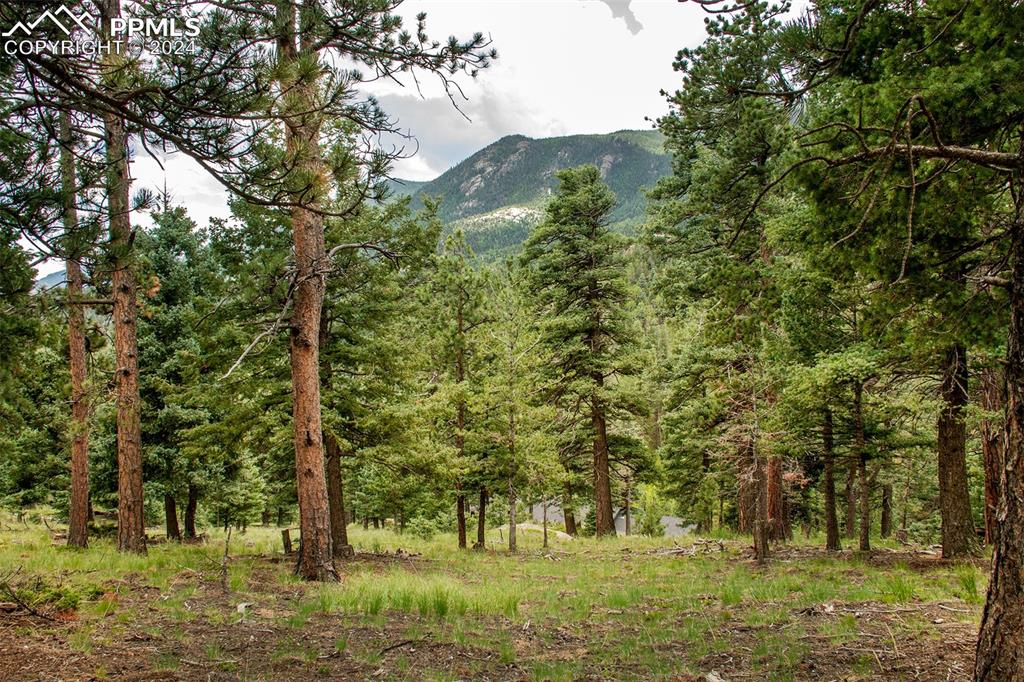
(498, 193)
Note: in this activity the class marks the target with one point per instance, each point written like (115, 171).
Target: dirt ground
(139, 640)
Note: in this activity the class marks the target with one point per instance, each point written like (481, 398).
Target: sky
(564, 67)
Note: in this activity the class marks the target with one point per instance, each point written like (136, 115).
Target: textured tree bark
(570, 524)
(605, 520)
(746, 493)
(1000, 650)
(302, 145)
(703, 520)
(190, 512)
(481, 521)
(778, 521)
(512, 435)
(131, 528)
(336, 500)
(545, 525)
(886, 522)
(993, 398)
(78, 513)
(828, 455)
(567, 512)
(851, 498)
(511, 518)
(958, 537)
(460, 515)
(761, 548)
(171, 518)
(335, 484)
(865, 503)
(860, 447)
(628, 525)
(315, 553)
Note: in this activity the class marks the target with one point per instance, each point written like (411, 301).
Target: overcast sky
(565, 66)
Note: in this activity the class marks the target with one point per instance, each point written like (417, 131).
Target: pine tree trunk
(567, 512)
(828, 454)
(511, 479)
(850, 493)
(190, 512)
(861, 451)
(778, 524)
(628, 527)
(131, 527)
(332, 450)
(746, 490)
(958, 537)
(511, 518)
(460, 514)
(761, 549)
(171, 518)
(460, 413)
(993, 398)
(571, 528)
(605, 523)
(886, 522)
(703, 520)
(481, 521)
(1000, 650)
(865, 503)
(302, 145)
(315, 561)
(336, 500)
(545, 525)
(78, 513)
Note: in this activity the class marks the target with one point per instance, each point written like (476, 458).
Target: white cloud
(565, 66)
(189, 185)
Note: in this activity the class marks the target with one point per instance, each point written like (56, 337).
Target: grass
(580, 608)
(429, 596)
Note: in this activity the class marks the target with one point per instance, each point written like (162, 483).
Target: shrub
(422, 528)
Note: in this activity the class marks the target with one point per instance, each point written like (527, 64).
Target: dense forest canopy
(813, 322)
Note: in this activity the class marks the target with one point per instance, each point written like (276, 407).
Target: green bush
(588, 528)
(422, 528)
(652, 508)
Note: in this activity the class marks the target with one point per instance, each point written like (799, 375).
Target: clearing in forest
(411, 609)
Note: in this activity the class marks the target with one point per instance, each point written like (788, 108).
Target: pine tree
(577, 270)
(524, 457)
(457, 291)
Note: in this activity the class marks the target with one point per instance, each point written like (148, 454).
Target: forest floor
(411, 609)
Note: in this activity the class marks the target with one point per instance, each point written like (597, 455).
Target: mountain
(497, 194)
(55, 280)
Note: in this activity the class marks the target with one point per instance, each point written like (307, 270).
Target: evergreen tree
(523, 460)
(577, 270)
(457, 291)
